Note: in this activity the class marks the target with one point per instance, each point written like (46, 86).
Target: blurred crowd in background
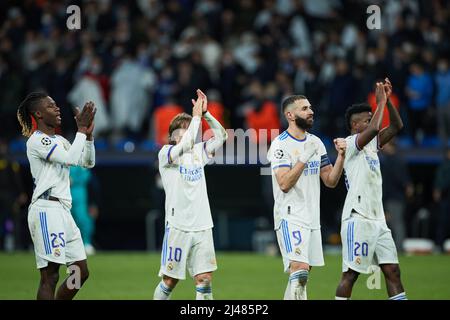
(133, 58)
(141, 61)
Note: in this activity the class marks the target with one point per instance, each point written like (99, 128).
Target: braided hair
(26, 109)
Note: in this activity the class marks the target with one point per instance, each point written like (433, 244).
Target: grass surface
(133, 275)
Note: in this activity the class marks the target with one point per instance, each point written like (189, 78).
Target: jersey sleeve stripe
(168, 154)
(378, 143)
(356, 143)
(51, 151)
(204, 148)
(282, 165)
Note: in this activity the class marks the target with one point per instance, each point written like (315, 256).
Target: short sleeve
(278, 156)
(42, 146)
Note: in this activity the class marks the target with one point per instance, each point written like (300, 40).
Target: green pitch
(240, 276)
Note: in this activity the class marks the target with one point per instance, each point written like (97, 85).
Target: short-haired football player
(188, 240)
(299, 160)
(366, 239)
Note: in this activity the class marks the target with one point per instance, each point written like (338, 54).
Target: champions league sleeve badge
(46, 141)
(278, 154)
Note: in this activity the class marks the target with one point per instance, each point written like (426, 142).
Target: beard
(303, 124)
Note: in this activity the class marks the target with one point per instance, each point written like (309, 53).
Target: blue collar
(296, 138)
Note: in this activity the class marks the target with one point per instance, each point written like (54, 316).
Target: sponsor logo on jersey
(191, 174)
(373, 163)
(311, 168)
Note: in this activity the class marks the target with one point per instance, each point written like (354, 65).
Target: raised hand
(380, 94)
(205, 100)
(387, 87)
(91, 127)
(341, 145)
(197, 105)
(85, 118)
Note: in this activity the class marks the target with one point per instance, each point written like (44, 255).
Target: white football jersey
(49, 163)
(187, 205)
(301, 204)
(363, 180)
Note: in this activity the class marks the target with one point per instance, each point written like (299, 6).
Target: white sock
(400, 296)
(203, 291)
(162, 292)
(341, 298)
(297, 284)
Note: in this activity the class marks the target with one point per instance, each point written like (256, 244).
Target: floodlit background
(141, 62)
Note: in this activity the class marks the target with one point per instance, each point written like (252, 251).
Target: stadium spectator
(90, 87)
(223, 45)
(420, 93)
(11, 88)
(217, 110)
(397, 189)
(162, 117)
(12, 198)
(442, 78)
(342, 90)
(131, 87)
(441, 195)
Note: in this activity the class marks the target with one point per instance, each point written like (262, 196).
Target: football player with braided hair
(56, 237)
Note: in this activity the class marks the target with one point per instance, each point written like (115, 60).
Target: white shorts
(55, 235)
(193, 250)
(299, 244)
(366, 243)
